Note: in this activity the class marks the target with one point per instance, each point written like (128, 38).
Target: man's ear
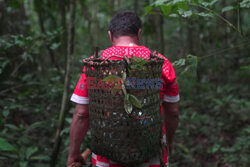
(110, 36)
(139, 34)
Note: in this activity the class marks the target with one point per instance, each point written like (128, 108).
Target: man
(124, 32)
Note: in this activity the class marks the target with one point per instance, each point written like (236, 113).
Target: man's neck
(125, 41)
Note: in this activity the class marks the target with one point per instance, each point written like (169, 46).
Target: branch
(220, 17)
(18, 86)
(238, 17)
(64, 104)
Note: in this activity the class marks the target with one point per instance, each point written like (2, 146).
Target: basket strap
(122, 57)
(96, 52)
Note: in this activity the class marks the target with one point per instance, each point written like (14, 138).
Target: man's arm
(171, 119)
(78, 129)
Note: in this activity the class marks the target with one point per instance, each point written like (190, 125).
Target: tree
(64, 104)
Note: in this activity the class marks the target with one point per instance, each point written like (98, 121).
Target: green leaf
(40, 157)
(35, 125)
(13, 127)
(6, 146)
(30, 151)
(6, 113)
(209, 4)
(227, 8)
(180, 62)
(133, 66)
(124, 91)
(178, 1)
(69, 120)
(245, 4)
(54, 46)
(127, 105)
(166, 9)
(14, 4)
(173, 15)
(202, 14)
(65, 131)
(133, 100)
(185, 13)
(138, 60)
(182, 5)
(111, 77)
(147, 9)
(193, 62)
(184, 148)
(159, 2)
(3, 65)
(124, 76)
(27, 56)
(228, 149)
(215, 148)
(213, 2)
(195, 1)
(23, 164)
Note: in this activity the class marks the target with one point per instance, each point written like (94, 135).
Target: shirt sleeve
(80, 94)
(169, 90)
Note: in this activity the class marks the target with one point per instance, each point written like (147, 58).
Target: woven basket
(128, 139)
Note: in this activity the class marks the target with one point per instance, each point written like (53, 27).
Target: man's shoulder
(114, 48)
(162, 56)
(111, 50)
(107, 50)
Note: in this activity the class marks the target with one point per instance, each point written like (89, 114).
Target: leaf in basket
(133, 66)
(124, 75)
(138, 60)
(127, 105)
(137, 64)
(133, 100)
(111, 78)
(124, 90)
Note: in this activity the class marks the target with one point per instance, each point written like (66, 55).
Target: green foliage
(111, 78)
(227, 8)
(129, 99)
(211, 62)
(186, 66)
(137, 63)
(134, 101)
(128, 105)
(24, 153)
(245, 4)
(5, 146)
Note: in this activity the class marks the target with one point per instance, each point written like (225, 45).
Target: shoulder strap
(98, 52)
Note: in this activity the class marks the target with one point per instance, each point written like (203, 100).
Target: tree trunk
(51, 53)
(239, 18)
(158, 26)
(136, 6)
(70, 49)
(161, 31)
(62, 4)
(190, 37)
(112, 7)
(119, 4)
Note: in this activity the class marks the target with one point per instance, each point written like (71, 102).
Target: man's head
(125, 23)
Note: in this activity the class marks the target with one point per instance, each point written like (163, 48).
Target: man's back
(124, 32)
(169, 78)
